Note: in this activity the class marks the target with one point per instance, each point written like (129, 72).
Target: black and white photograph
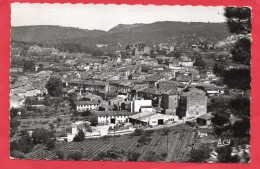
(96, 82)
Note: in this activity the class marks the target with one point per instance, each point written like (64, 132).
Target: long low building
(112, 117)
(152, 118)
(86, 105)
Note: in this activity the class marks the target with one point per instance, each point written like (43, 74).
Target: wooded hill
(177, 33)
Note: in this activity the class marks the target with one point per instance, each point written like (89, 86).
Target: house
(186, 63)
(184, 78)
(19, 92)
(16, 101)
(76, 127)
(91, 97)
(137, 104)
(154, 80)
(140, 48)
(170, 101)
(117, 100)
(205, 119)
(150, 62)
(159, 67)
(211, 90)
(192, 103)
(31, 91)
(16, 70)
(86, 105)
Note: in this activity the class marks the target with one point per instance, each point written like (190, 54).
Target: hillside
(177, 33)
(50, 34)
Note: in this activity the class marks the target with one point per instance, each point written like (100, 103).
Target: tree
(14, 146)
(138, 132)
(40, 136)
(151, 157)
(239, 22)
(241, 107)
(226, 91)
(123, 107)
(79, 137)
(13, 112)
(241, 52)
(237, 78)
(50, 144)
(72, 99)
(30, 101)
(241, 128)
(218, 69)
(115, 108)
(86, 113)
(177, 54)
(224, 155)
(200, 155)
(199, 62)
(238, 19)
(54, 86)
(25, 144)
(28, 65)
(93, 120)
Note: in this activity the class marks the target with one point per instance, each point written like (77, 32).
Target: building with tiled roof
(86, 105)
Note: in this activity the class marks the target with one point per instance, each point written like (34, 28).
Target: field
(180, 143)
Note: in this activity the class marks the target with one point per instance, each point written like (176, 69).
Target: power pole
(114, 135)
(167, 142)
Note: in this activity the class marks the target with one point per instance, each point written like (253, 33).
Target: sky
(104, 17)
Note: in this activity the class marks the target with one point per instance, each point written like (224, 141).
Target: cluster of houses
(28, 85)
(136, 90)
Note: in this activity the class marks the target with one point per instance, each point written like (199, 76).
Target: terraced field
(179, 146)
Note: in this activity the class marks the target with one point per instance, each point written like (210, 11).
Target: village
(136, 91)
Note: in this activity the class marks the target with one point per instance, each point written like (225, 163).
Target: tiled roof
(86, 103)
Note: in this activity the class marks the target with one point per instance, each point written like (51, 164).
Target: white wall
(138, 103)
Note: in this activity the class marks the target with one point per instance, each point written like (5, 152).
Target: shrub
(101, 156)
(138, 132)
(50, 144)
(164, 155)
(59, 155)
(75, 156)
(149, 132)
(150, 157)
(144, 140)
(200, 155)
(133, 156)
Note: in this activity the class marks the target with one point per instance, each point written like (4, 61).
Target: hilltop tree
(54, 86)
(239, 22)
(238, 19)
